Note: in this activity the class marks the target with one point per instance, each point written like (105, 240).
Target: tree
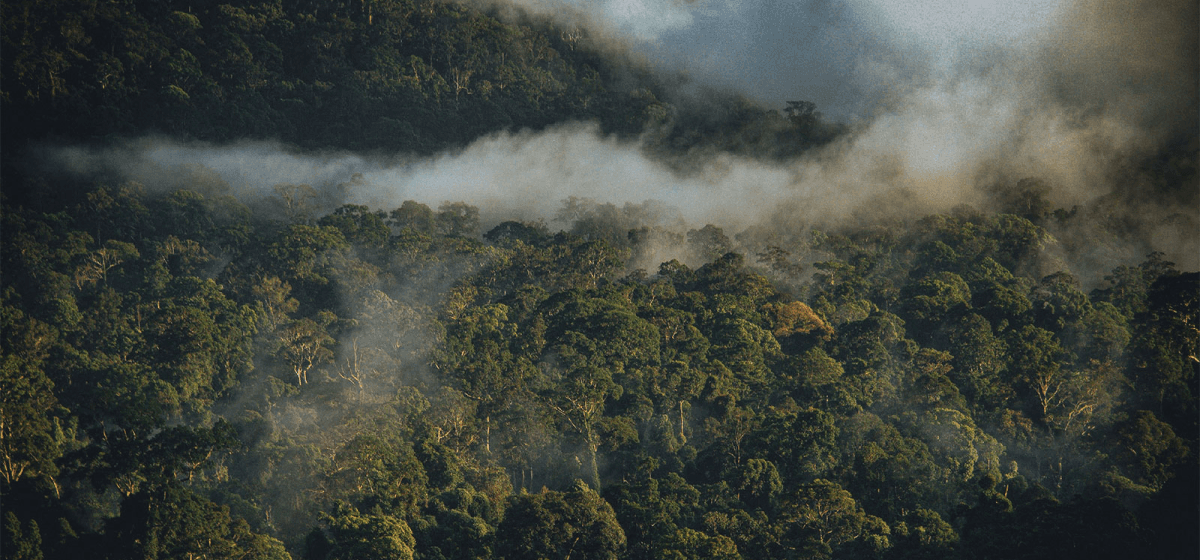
(1127, 288)
(1147, 449)
(275, 304)
(980, 358)
(690, 543)
(778, 261)
(928, 302)
(578, 524)
(795, 325)
(174, 522)
(1058, 302)
(27, 437)
(1025, 198)
(746, 349)
(1002, 304)
(135, 463)
(818, 381)
(654, 512)
(102, 260)
(823, 518)
(927, 385)
(1018, 240)
(708, 243)
(1037, 364)
(457, 219)
(359, 225)
(1165, 350)
(198, 339)
(28, 405)
(464, 525)
(1101, 334)
(923, 534)
(756, 481)
(1087, 397)
(414, 216)
(961, 450)
(21, 541)
(374, 535)
(119, 214)
(801, 442)
(304, 345)
(478, 355)
(873, 351)
(578, 401)
(890, 469)
(299, 201)
(512, 233)
(306, 256)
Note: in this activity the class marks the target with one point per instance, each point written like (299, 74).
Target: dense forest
(374, 75)
(186, 374)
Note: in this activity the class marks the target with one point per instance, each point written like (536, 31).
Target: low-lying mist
(1080, 99)
(903, 165)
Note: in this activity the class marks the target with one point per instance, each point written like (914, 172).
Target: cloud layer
(951, 97)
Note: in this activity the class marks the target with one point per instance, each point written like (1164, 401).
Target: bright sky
(942, 22)
(836, 53)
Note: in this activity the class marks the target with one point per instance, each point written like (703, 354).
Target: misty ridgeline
(417, 279)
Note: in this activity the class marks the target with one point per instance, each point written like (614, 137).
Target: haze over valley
(502, 279)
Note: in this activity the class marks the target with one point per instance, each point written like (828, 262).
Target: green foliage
(1148, 449)
(928, 392)
(400, 75)
(722, 417)
(27, 402)
(923, 534)
(21, 540)
(359, 226)
(370, 535)
(823, 519)
(578, 524)
(934, 299)
(174, 522)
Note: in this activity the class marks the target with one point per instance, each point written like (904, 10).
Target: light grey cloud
(1069, 91)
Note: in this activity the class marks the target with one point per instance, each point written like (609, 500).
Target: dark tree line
(375, 75)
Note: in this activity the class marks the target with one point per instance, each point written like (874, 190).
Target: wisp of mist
(963, 95)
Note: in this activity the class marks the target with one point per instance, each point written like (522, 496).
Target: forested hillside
(181, 376)
(374, 75)
(185, 374)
